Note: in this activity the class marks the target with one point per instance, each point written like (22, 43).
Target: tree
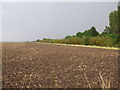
(106, 30)
(113, 22)
(79, 34)
(67, 37)
(38, 40)
(91, 32)
(119, 19)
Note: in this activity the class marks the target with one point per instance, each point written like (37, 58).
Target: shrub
(86, 40)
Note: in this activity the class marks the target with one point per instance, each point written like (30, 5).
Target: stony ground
(36, 65)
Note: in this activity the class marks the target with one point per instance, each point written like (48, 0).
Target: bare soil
(37, 65)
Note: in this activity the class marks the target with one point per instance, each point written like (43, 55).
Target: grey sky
(31, 21)
(0, 22)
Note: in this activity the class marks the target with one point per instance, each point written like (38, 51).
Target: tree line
(109, 37)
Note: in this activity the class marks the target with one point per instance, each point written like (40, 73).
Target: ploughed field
(37, 65)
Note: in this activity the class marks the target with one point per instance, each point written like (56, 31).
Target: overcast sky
(37, 20)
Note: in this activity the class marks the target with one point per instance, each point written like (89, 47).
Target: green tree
(44, 38)
(67, 37)
(38, 40)
(119, 19)
(113, 22)
(91, 32)
(79, 34)
(106, 31)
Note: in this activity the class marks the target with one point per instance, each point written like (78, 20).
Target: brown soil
(37, 65)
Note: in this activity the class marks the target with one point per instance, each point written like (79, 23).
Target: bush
(86, 40)
(72, 40)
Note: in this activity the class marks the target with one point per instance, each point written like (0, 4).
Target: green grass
(113, 48)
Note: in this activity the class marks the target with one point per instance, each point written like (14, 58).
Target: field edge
(112, 48)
